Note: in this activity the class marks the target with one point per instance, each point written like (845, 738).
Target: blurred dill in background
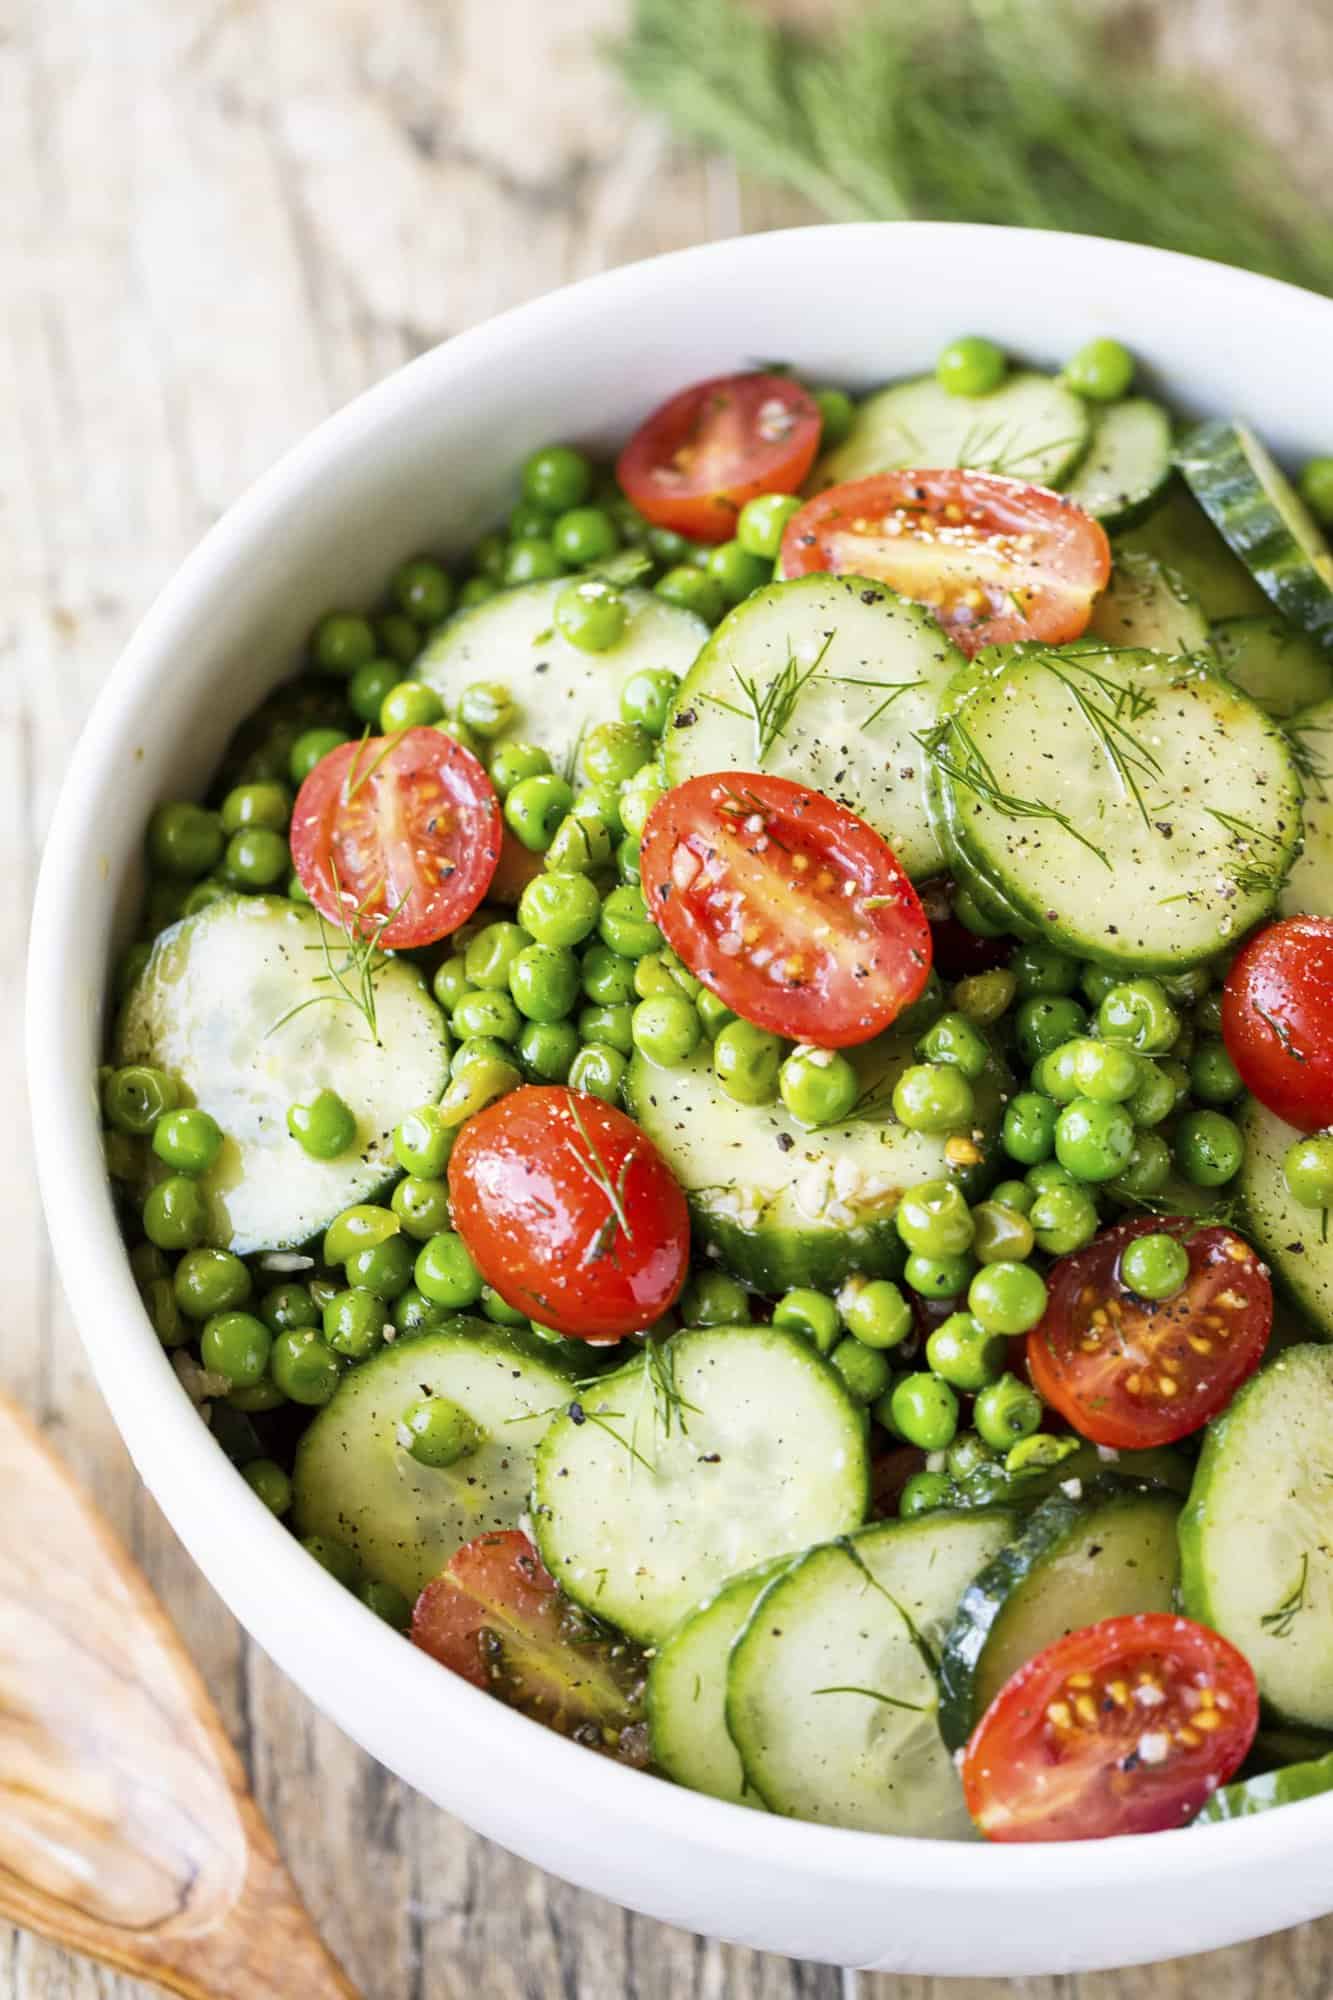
(1032, 112)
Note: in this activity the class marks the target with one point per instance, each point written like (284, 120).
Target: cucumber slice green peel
(1286, 1787)
(1263, 519)
(687, 1691)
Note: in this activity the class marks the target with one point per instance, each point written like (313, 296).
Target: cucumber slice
(1296, 1240)
(355, 1483)
(832, 1698)
(207, 1009)
(1032, 428)
(1074, 1564)
(1264, 520)
(1079, 784)
(1286, 1787)
(1147, 605)
(828, 680)
(782, 1206)
(1256, 1539)
(1127, 464)
(561, 692)
(1179, 534)
(1277, 666)
(707, 1455)
(1308, 889)
(687, 1691)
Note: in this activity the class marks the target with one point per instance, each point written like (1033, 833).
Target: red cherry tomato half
(497, 1618)
(398, 837)
(993, 559)
(570, 1213)
(1128, 1726)
(788, 906)
(1277, 1019)
(1127, 1372)
(702, 455)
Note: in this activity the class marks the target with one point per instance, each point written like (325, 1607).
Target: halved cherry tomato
(701, 456)
(1277, 1019)
(397, 837)
(1130, 1373)
(788, 906)
(497, 1617)
(993, 559)
(570, 1212)
(1128, 1726)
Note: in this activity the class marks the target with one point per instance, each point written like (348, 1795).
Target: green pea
(1147, 1170)
(923, 1493)
(236, 1344)
(489, 959)
(421, 1145)
(410, 705)
(1155, 1266)
(1015, 1195)
(451, 982)
(599, 1070)
(984, 997)
(267, 805)
(529, 519)
(489, 556)
(1137, 1011)
(354, 1320)
(937, 1277)
(499, 1312)
(584, 535)
(1044, 1023)
(475, 1084)
(762, 521)
(1161, 1087)
(1107, 1071)
(288, 1307)
(639, 797)
(933, 1097)
(1209, 1148)
(1094, 1140)
(544, 982)
(580, 844)
(184, 839)
(399, 642)
(210, 1281)
(325, 1128)
(1049, 1174)
(413, 1313)
(1102, 371)
(1054, 1079)
(1316, 484)
(1063, 1218)
(369, 688)
(736, 572)
(487, 708)
(953, 1039)
(134, 1098)
(1307, 1168)
(663, 976)
(1007, 1298)
(811, 1314)
(966, 1354)
(1040, 968)
(837, 413)
(711, 1298)
(256, 858)
(493, 1015)
(1214, 1078)
(612, 1027)
(692, 590)
(266, 1479)
(818, 1086)
(213, 890)
(123, 1157)
(1006, 1411)
(341, 643)
(559, 909)
(187, 1141)
(438, 1432)
(614, 752)
(311, 747)
(510, 763)
(607, 977)
(924, 1411)
(874, 1311)
(531, 559)
(1028, 1131)
(147, 1261)
(305, 1368)
(424, 591)
(747, 1061)
(972, 917)
(625, 926)
(340, 1561)
(357, 1228)
(865, 1372)
(666, 1030)
(467, 738)
(446, 1273)
(971, 366)
(714, 1014)
(386, 1602)
(628, 862)
(934, 1218)
(383, 1268)
(175, 1214)
(1001, 1232)
(557, 477)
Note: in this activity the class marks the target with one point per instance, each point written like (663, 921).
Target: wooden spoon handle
(127, 1830)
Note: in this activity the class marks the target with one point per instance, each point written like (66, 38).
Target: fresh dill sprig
(1280, 1620)
(670, 1404)
(593, 1163)
(1252, 875)
(363, 965)
(356, 777)
(874, 1694)
(771, 708)
(895, 690)
(974, 772)
(1127, 756)
(1316, 774)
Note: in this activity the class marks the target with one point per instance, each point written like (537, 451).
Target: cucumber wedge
(1256, 1538)
(1032, 428)
(1179, 534)
(226, 1006)
(561, 692)
(1286, 1787)
(1074, 1564)
(1277, 666)
(1308, 889)
(1262, 517)
(1296, 1240)
(687, 1691)
(830, 681)
(782, 1206)
(1133, 808)
(832, 1697)
(1146, 604)
(705, 1456)
(1127, 464)
(355, 1483)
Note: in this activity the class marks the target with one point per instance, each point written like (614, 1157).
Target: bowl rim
(154, 1417)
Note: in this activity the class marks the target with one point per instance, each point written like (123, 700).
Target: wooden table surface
(220, 220)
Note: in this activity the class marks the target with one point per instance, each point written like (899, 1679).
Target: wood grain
(221, 219)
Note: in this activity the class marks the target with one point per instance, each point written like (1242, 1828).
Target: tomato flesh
(696, 461)
(786, 905)
(1128, 1372)
(993, 559)
(1277, 1019)
(1128, 1726)
(397, 838)
(497, 1618)
(570, 1212)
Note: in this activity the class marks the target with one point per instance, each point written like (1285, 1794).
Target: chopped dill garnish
(771, 708)
(975, 773)
(1280, 1620)
(363, 965)
(874, 1694)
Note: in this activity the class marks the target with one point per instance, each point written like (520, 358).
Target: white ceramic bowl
(419, 462)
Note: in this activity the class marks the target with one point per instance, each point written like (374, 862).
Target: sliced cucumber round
(237, 1004)
(560, 692)
(687, 1691)
(1147, 605)
(355, 1483)
(1127, 464)
(1075, 1563)
(1296, 1240)
(783, 1206)
(1133, 808)
(1262, 517)
(1179, 534)
(1256, 1539)
(831, 681)
(1286, 1787)
(1032, 428)
(832, 1696)
(1277, 666)
(1308, 890)
(708, 1454)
